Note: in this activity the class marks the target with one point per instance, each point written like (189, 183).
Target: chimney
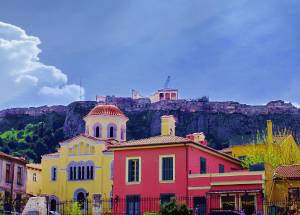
(198, 138)
(269, 131)
(168, 125)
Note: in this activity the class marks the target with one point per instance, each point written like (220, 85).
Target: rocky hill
(223, 123)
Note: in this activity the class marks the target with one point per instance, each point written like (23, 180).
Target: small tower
(168, 125)
(106, 122)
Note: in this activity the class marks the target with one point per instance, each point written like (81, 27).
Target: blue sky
(245, 51)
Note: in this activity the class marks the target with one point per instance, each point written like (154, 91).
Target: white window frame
(140, 170)
(235, 200)
(160, 168)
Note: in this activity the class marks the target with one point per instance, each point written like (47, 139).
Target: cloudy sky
(246, 51)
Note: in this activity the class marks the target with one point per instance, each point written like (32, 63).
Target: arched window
(97, 130)
(111, 130)
(34, 177)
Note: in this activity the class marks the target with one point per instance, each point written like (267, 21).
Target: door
(133, 205)
(81, 199)
(199, 205)
(53, 205)
(248, 204)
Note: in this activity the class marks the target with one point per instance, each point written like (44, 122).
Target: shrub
(171, 208)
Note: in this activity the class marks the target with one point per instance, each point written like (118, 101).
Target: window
(228, 202)
(74, 173)
(166, 197)
(8, 173)
(97, 131)
(82, 172)
(133, 170)
(34, 177)
(202, 165)
(248, 203)
(92, 172)
(111, 131)
(53, 173)
(221, 168)
(167, 168)
(79, 172)
(88, 172)
(71, 173)
(19, 175)
(293, 194)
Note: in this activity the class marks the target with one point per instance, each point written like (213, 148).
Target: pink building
(12, 180)
(160, 168)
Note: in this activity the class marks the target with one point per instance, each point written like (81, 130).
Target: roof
(291, 172)
(36, 166)
(166, 140)
(13, 158)
(111, 110)
(163, 139)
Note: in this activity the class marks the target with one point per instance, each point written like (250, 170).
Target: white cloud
(24, 76)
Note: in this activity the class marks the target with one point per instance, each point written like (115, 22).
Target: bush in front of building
(172, 208)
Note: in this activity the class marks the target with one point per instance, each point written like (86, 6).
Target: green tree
(284, 151)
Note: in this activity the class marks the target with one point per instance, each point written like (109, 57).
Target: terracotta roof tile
(10, 157)
(106, 110)
(34, 166)
(153, 141)
(287, 172)
(161, 140)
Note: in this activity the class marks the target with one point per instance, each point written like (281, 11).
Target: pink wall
(150, 186)
(7, 186)
(212, 162)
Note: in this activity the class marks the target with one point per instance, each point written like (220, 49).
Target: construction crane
(166, 85)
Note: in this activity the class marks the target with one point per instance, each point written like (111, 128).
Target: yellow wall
(120, 121)
(33, 187)
(62, 187)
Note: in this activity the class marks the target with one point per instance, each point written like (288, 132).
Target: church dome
(106, 110)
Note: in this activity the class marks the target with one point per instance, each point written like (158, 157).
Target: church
(82, 168)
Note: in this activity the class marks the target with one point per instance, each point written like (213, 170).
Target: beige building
(34, 179)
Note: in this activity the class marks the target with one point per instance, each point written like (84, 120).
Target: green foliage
(284, 151)
(172, 208)
(75, 209)
(32, 141)
(151, 213)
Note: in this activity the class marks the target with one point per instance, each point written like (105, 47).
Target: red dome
(106, 110)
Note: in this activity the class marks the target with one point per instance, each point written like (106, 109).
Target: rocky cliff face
(223, 122)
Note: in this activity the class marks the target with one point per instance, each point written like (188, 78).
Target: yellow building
(34, 179)
(82, 168)
(241, 151)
